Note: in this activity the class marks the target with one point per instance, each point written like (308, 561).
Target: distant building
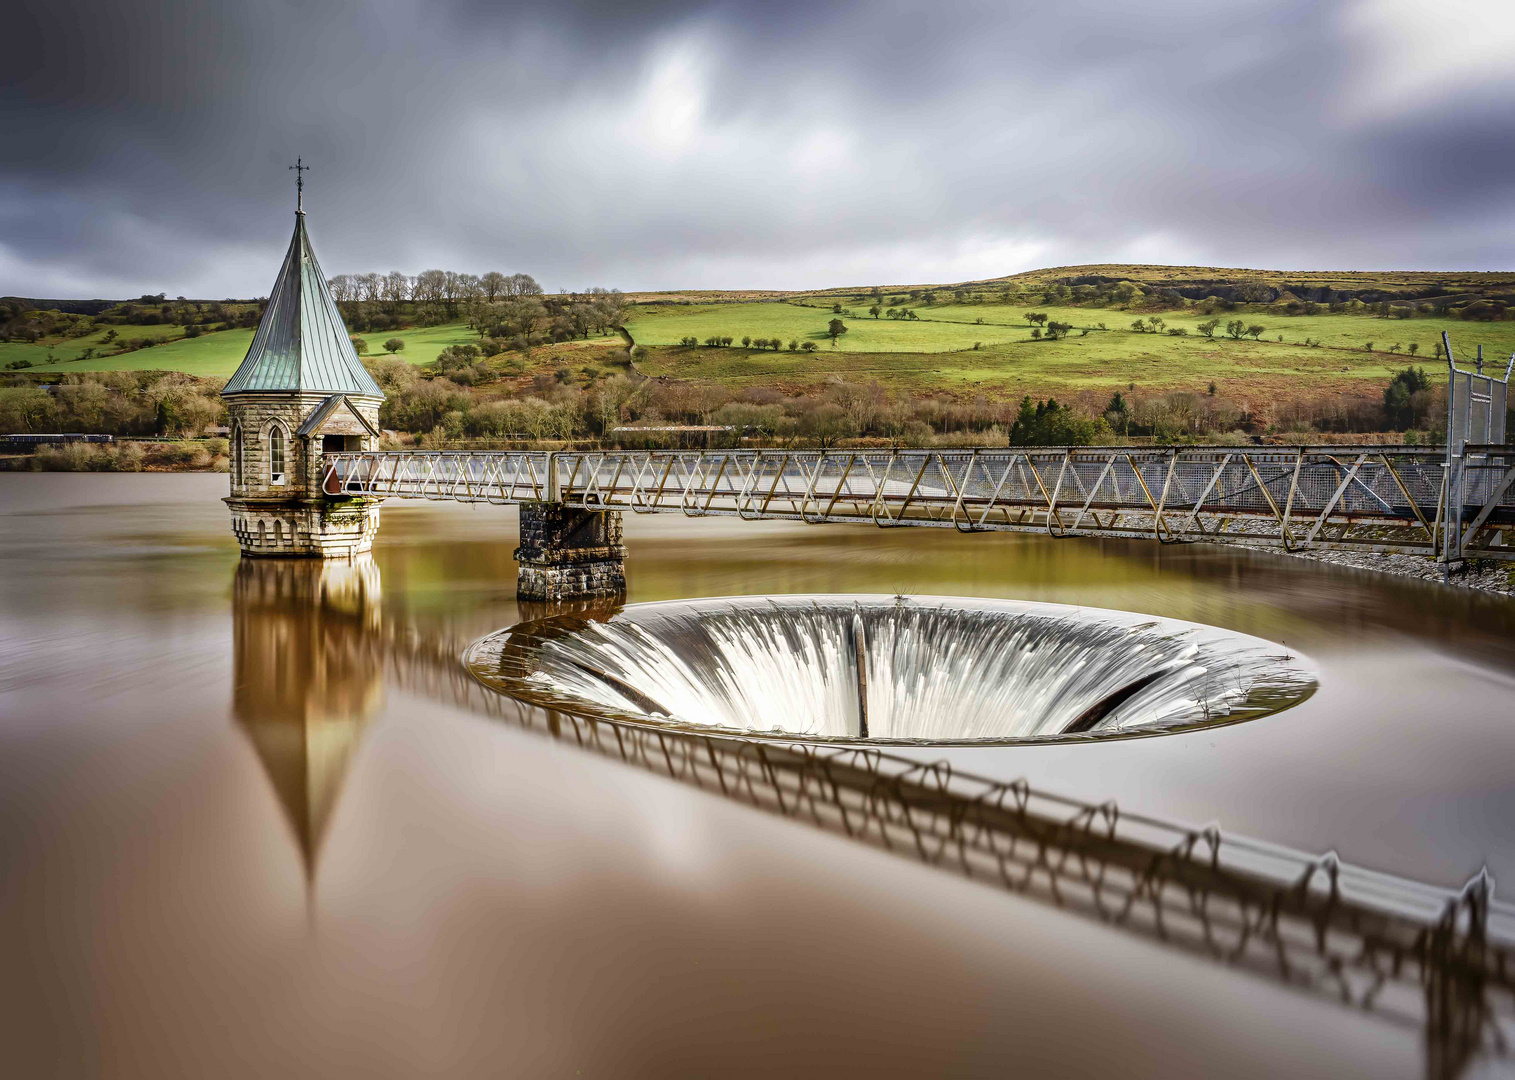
(60, 439)
(679, 434)
(300, 393)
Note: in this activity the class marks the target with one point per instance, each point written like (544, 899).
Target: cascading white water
(917, 669)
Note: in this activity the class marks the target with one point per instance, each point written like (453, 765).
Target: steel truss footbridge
(1394, 498)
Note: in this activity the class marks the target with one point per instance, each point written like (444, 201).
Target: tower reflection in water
(306, 682)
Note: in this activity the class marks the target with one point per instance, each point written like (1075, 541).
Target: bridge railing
(1386, 498)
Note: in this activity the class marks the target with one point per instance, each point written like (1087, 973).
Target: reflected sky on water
(238, 841)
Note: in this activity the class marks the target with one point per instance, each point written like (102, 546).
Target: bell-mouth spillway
(892, 669)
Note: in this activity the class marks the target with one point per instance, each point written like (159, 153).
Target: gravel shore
(1483, 575)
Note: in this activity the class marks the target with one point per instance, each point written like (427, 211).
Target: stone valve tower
(300, 393)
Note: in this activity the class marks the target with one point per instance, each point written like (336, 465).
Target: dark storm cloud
(777, 144)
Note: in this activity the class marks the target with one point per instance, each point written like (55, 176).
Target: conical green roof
(302, 343)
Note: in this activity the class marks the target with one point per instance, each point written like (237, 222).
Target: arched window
(276, 455)
(236, 454)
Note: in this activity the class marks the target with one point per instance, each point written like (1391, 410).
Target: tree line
(508, 311)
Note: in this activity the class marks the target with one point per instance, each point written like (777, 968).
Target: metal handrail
(1357, 497)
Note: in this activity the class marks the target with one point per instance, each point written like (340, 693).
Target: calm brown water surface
(239, 840)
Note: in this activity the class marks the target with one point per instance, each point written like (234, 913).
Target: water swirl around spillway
(918, 669)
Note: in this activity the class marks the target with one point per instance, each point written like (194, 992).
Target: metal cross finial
(300, 169)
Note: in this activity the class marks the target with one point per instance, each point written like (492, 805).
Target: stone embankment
(1484, 575)
(1480, 574)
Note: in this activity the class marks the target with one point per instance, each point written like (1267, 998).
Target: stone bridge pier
(569, 554)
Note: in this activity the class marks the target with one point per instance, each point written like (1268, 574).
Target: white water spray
(928, 669)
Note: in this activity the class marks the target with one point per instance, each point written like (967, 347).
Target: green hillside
(1303, 332)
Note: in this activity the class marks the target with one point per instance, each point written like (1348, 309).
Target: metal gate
(1477, 405)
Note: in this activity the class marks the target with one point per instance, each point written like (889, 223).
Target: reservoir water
(251, 824)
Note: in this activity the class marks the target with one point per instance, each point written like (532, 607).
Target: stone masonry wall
(302, 461)
(567, 553)
(294, 518)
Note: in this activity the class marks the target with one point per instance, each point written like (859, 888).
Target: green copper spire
(302, 343)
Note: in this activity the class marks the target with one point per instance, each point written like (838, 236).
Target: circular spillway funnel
(892, 669)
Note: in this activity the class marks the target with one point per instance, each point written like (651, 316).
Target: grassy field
(796, 322)
(928, 354)
(934, 353)
(1099, 362)
(214, 354)
(1332, 331)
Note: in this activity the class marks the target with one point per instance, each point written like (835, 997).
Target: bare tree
(493, 284)
(610, 307)
(522, 285)
(396, 287)
(431, 286)
(519, 314)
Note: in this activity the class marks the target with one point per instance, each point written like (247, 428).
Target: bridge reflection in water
(314, 648)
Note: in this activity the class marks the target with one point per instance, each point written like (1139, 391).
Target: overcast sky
(775, 144)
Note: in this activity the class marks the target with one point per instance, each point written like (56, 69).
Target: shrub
(1046, 423)
(128, 458)
(360, 346)
(175, 455)
(74, 457)
(1406, 398)
(394, 345)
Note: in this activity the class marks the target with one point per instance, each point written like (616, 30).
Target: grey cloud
(783, 145)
